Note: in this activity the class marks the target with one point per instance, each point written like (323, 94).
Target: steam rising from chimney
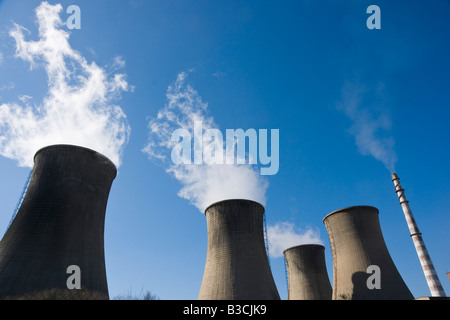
(77, 108)
(370, 123)
(202, 184)
(205, 184)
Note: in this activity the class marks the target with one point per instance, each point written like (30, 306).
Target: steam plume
(77, 108)
(370, 126)
(202, 184)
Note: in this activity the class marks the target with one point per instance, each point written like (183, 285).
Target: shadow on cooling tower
(237, 267)
(59, 224)
(307, 273)
(357, 243)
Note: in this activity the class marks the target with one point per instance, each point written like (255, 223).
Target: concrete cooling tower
(361, 258)
(59, 224)
(307, 273)
(237, 267)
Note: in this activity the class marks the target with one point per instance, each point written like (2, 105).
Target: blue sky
(346, 99)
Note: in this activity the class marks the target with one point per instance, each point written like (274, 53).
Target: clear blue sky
(298, 66)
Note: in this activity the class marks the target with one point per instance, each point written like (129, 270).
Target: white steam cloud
(284, 235)
(77, 108)
(370, 123)
(202, 184)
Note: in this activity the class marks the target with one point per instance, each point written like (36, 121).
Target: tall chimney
(425, 261)
(307, 273)
(359, 250)
(59, 224)
(237, 267)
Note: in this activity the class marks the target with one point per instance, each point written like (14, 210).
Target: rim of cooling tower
(352, 207)
(305, 245)
(76, 147)
(235, 200)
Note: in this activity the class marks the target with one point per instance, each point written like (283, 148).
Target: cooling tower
(237, 267)
(361, 258)
(59, 224)
(307, 273)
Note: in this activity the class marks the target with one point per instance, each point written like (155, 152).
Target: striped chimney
(427, 265)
